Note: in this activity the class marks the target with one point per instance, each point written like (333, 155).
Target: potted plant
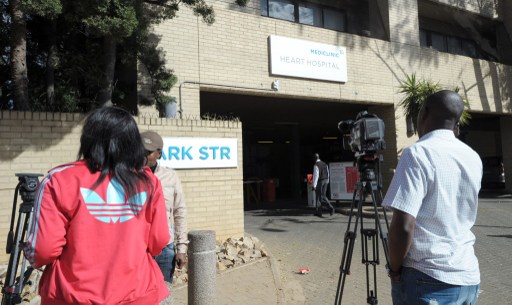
(167, 106)
(415, 92)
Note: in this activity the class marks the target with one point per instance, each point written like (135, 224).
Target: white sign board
(343, 178)
(305, 59)
(199, 152)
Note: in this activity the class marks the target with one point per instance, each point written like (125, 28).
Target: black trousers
(321, 195)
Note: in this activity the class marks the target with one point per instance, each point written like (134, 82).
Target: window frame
(461, 41)
(296, 6)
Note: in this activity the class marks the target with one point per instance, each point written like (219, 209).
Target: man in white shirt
(434, 196)
(320, 184)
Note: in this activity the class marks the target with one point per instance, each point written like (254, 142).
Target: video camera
(365, 135)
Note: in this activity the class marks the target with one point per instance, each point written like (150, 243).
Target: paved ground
(296, 239)
(252, 283)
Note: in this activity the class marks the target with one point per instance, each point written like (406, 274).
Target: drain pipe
(275, 87)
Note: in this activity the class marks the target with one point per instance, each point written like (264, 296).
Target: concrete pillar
(404, 22)
(202, 268)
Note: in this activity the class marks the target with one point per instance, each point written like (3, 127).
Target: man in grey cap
(176, 210)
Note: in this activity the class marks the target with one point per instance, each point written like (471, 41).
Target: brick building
(230, 68)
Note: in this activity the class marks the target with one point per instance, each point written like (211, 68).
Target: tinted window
(468, 48)
(334, 20)
(454, 45)
(321, 13)
(264, 8)
(438, 42)
(423, 38)
(310, 14)
(282, 9)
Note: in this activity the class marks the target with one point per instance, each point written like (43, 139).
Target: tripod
(369, 184)
(13, 285)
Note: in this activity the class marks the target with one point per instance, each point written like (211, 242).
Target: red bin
(269, 190)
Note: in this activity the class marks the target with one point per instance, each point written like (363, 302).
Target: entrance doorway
(280, 137)
(484, 134)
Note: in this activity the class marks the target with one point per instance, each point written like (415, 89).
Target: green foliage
(162, 79)
(44, 8)
(466, 116)
(206, 11)
(416, 91)
(115, 18)
(5, 88)
(76, 30)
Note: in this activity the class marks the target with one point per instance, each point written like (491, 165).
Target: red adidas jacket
(96, 244)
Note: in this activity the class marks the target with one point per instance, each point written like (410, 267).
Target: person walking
(98, 222)
(434, 197)
(320, 184)
(172, 255)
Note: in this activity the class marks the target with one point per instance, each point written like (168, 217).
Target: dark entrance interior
(483, 134)
(280, 136)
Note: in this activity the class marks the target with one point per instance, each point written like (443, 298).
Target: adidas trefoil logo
(115, 208)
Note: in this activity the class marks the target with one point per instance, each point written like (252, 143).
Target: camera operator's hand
(181, 259)
(395, 275)
(395, 278)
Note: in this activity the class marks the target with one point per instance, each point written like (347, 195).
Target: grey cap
(152, 141)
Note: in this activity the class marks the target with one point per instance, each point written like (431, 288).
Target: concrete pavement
(297, 239)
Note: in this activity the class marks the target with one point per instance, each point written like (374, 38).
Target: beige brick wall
(36, 142)
(403, 22)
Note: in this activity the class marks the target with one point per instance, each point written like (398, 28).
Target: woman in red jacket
(99, 221)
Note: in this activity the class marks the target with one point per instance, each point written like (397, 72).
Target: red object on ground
(269, 190)
(303, 270)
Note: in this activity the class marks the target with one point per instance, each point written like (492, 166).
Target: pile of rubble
(29, 294)
(234, 251)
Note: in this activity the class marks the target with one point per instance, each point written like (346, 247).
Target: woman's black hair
(111, 144)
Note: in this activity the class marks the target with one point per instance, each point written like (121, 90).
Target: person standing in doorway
(174, 254)
(434, 196)
(320, 183)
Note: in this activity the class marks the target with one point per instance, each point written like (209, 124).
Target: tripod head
(369, 168)
(27, 186)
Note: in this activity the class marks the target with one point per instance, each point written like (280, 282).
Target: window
(469, 48)
(310, 14)
(305, 12)
(281, 9)
(454, 45)
(334, 20)
(438, 42)
(450, 44)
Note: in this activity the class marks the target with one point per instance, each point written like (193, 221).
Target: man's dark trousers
(321, 196)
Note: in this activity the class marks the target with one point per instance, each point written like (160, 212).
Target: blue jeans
(167, 262)
(416, 287)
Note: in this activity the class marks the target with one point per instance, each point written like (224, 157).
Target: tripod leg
(13, 286)
(383, 235)
(348, 247)
(370, 236)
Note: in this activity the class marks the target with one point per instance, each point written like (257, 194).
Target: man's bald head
(441, 110)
